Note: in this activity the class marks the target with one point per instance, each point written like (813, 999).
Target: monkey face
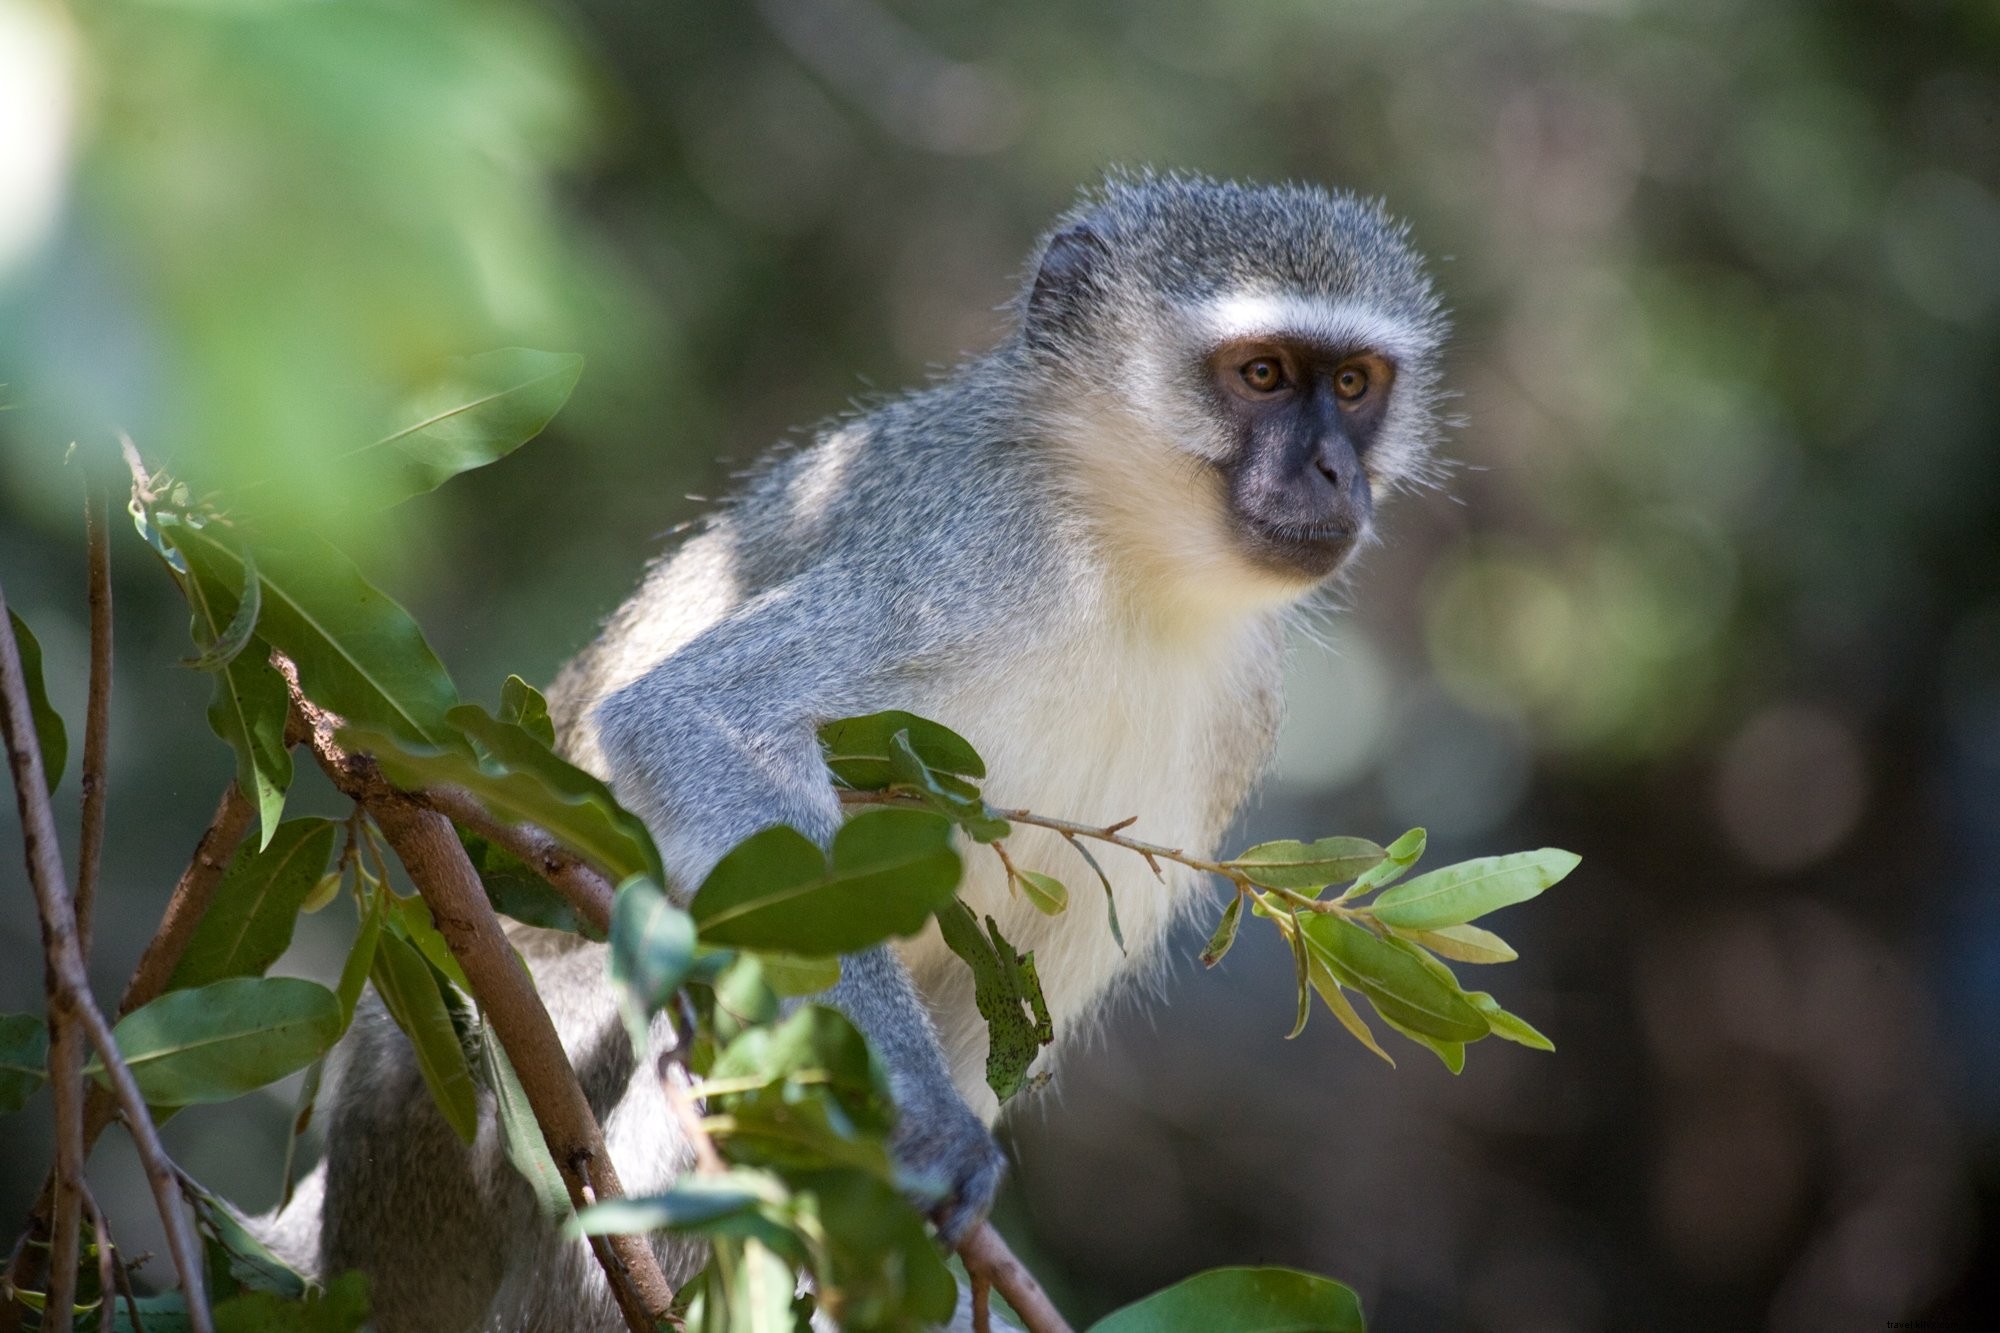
(1303, 413)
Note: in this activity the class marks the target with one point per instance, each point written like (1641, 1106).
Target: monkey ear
(1069, 269)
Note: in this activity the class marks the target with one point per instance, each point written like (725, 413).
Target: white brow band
(1340, 324)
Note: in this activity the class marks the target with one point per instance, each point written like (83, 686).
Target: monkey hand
(946, 1150)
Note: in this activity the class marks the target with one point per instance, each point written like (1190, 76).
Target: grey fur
(1032, 550)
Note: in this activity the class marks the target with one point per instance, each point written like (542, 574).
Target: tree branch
(70, 1002)
(567, 873)
(97, 718)
(437, 864)
(988, 1259)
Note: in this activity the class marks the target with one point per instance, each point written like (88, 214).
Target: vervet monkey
(1080, 551)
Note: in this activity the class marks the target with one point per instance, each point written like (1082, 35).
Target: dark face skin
(1305, 415)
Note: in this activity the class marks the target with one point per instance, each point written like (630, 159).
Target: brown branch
(97, 717)
(192, 894)
(70, 1001)
(589, 892)
(988, 1260)
(437, 865)
(107, 1264)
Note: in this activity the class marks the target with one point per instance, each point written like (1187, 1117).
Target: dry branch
(70, 1001)
(437, 865)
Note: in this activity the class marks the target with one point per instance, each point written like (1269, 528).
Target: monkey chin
(1304, 555)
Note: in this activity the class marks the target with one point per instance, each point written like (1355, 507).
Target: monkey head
(1235, 374)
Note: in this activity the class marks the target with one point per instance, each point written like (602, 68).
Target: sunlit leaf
(1397, 858)
(1509, 1027)
(1224, 937)
(523, 705)
(215, 1042)
(1451, 1053)
(1290, 864)
(482, 409)
(1464, 944)
(1400, 987)
(1471, 889)
(1046, 892)
(24, 1059)
(414, 923)
(1343, 1009)
(1242, 1300)
(409, 991)
(357, 651)
(249, 924)
(50, 734)
(325, 891)
(888, 872)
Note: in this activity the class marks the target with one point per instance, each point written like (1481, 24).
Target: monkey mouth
(1311, 550)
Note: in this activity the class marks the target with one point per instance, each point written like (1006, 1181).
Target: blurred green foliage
(1721, 591)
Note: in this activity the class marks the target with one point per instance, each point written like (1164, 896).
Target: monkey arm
(720, 740)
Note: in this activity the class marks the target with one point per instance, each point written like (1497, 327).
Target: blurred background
(1712, 595)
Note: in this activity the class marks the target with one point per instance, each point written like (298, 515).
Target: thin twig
(430, 851)
(107, 1265)
(97, 717)
(70, 1001)
(680, 1097)
(589, 892)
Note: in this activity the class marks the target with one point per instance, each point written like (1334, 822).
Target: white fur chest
(1144, 730)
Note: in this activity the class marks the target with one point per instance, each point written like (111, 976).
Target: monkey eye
(1265, 374)
(1350, 383)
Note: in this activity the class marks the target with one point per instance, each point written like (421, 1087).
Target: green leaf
(341, 1306)
(1343, 1009)
(24, 1059)
(50, 734)
(888, 872)
(696, 1203)
(219, 640)
(790, 974)
(1225, 932)
(652, 948)
(523, 705)
(482, 409)
(302, 1113)
(1397, 857)
(249, 925)
(1302, 975)
(544, 790)
(409, 990)
(325, 891)
(1110, 899)
(1471, 889)
(211, 1043)
(361, 956)
(1452, 1053)
(248, 1261)
(857, 748)
(412, 919)
(877, 1254)
(1401, 988)
(357, 651)
(1464, 944)
(1016, 1025)
(1242, 1300)
(805, 1094)
(1046, 892)
(1291, 864)
(520, 1133)
(517, 891)
(1508, 1027)
(953, 797)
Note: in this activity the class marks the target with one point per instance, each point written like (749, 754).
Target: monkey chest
(1095, 738)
